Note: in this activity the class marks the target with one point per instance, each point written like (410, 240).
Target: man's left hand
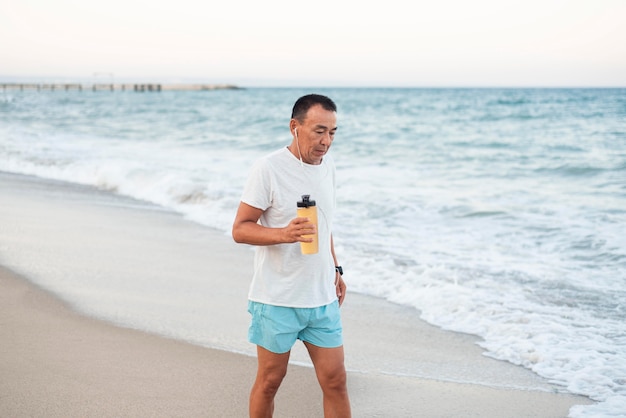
(340, 287)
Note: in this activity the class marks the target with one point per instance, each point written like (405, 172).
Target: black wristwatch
(339, 269)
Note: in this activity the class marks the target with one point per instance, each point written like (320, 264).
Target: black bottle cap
(306, 201)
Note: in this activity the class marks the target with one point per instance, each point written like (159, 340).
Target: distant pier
(136, 87)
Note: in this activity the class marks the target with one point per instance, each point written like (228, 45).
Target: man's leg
(331, 373)
(271, 370)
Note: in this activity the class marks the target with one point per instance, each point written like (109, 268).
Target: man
(292, 295)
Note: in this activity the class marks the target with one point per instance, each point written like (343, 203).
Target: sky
(324, 43)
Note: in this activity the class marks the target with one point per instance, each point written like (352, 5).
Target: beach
(58, 359)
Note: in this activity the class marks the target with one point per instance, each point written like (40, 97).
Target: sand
(55, 361)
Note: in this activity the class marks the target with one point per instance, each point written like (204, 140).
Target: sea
(498, 212)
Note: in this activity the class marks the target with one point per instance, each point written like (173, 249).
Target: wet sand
(55, 361)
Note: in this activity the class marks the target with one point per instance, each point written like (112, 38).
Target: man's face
(315, 135)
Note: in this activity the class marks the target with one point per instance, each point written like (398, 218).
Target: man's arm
(247, 230)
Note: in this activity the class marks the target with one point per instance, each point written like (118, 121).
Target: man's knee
(270, 381)
(334, 380)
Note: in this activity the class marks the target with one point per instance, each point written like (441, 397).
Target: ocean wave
(483, 214)
(571, 170)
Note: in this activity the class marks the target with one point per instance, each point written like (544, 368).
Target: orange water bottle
(307, 209)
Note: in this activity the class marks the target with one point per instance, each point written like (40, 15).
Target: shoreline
(65, 363)
(60, 363)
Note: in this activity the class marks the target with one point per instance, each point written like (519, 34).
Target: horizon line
(98, 79)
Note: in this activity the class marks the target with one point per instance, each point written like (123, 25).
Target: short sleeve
(258, 189)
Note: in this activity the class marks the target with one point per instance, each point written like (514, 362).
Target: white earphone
(295, 132)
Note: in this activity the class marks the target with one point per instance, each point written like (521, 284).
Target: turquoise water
(496, 212)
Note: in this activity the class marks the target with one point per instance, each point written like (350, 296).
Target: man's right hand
(298, 228)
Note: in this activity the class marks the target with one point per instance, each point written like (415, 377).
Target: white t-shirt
(282, 275)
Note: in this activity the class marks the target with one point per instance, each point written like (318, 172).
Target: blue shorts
(276, 328)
